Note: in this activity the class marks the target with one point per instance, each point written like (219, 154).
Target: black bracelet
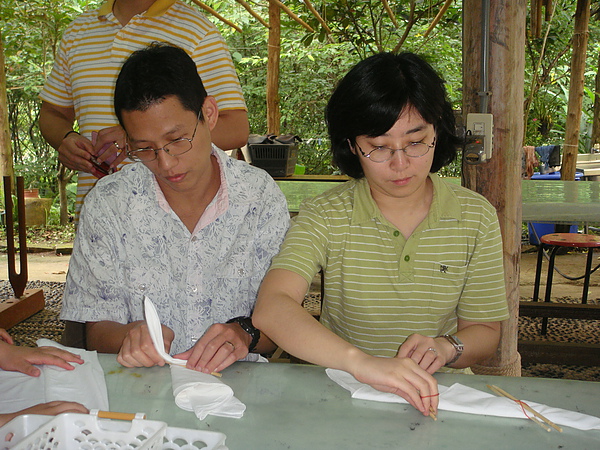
(69, 132)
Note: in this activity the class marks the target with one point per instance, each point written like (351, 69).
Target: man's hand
(138, 349)
(22, 359)
(222, 345)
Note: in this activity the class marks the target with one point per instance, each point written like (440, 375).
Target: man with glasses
(412, 265)
(187, 226)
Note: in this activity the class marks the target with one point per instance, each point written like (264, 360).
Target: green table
(292, 406)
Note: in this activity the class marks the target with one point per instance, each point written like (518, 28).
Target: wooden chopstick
(432, 413)
(216, 374)
(525, 406)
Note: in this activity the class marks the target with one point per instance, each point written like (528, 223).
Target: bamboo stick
(217, 15)
(253, 13)
(292, 15)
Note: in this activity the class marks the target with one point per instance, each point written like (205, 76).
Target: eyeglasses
(383, 154)
(174, 148)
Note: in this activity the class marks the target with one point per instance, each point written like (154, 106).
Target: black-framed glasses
(383, 154)
(174, 148)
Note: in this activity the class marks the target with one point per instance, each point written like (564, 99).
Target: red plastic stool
(557, 240)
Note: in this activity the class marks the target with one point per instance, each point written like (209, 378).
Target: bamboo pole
(217, 15)
(579, 46)
(290, 13)
(499, 179)
(6, 158)
(252, 12)
(437, 18)
(273, 111)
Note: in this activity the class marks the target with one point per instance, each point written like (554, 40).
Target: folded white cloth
(193, 391)
(204, 394)
(85, 384)
(460, 398)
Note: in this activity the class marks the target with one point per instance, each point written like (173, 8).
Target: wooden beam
(563, 353)
(292, 15)
(16, 310)
(499, 179)
(576, 92)
(6, 158)
(252, 12)
(559, 310)
(217, 15)
(274, 48)
(438, 17)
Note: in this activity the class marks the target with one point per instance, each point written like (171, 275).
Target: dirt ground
(49, 266)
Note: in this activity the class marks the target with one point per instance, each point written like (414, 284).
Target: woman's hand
(429, 353)
(22, 359)
(400, 376)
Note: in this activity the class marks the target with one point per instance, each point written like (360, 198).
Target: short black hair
(374, 93)
(152, 74)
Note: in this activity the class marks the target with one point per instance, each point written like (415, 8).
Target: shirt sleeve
(305, 246)
(216, 68)
(94, 287)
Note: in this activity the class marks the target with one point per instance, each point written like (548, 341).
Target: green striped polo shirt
(381, 287)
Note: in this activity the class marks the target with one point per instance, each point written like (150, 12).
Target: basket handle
(116, 415)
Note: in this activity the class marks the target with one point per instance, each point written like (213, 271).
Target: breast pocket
(444, 283)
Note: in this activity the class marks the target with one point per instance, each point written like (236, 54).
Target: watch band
(458, 346)
(246, 324)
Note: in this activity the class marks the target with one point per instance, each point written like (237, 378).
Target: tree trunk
(580, 38)
(6, 159)
(499, 179)
(273, 111)
(596, 120)
(64, 176)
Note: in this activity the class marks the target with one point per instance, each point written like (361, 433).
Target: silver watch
(458, 346)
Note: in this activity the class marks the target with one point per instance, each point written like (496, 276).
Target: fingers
(75, 152)
(109, 146)
(138, 349)
(424, 351)
(221, 346)
(4, 336)
(56, 407)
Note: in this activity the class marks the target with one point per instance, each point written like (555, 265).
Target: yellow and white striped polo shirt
(95, 46)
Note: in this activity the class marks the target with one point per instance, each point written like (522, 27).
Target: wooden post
(499, 179)
(6, 159)
(579, 46)
(273, 111)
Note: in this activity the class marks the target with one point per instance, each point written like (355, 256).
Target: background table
(298, 407)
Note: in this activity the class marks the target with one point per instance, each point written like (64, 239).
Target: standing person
(187, 226)
(413, 265)
(92, 51)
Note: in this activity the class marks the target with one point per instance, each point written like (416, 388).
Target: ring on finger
(431, 349)
(230, 343)
(116, 144)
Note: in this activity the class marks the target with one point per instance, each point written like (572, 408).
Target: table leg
(538, 273)
(586, 280)
(549, 286)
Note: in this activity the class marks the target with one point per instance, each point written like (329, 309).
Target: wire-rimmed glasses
(174, 148)
(382, 154)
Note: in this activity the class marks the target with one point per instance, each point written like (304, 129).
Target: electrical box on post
(478, 145)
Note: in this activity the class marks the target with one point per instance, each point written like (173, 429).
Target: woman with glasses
(412, 265)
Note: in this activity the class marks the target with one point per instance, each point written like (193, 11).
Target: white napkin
(460, 398)
(193, 391)
(85, 384)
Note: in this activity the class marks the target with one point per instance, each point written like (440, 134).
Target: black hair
(374, 93)
(154, 73)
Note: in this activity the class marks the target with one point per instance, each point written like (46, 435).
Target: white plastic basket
(83, 431)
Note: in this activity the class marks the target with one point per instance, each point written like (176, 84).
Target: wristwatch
(458, 346)
(246, 324)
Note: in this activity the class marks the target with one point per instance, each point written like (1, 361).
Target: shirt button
(142, 287)
(396, 233)
(195, 289)
(194, 239)
(407, 258)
